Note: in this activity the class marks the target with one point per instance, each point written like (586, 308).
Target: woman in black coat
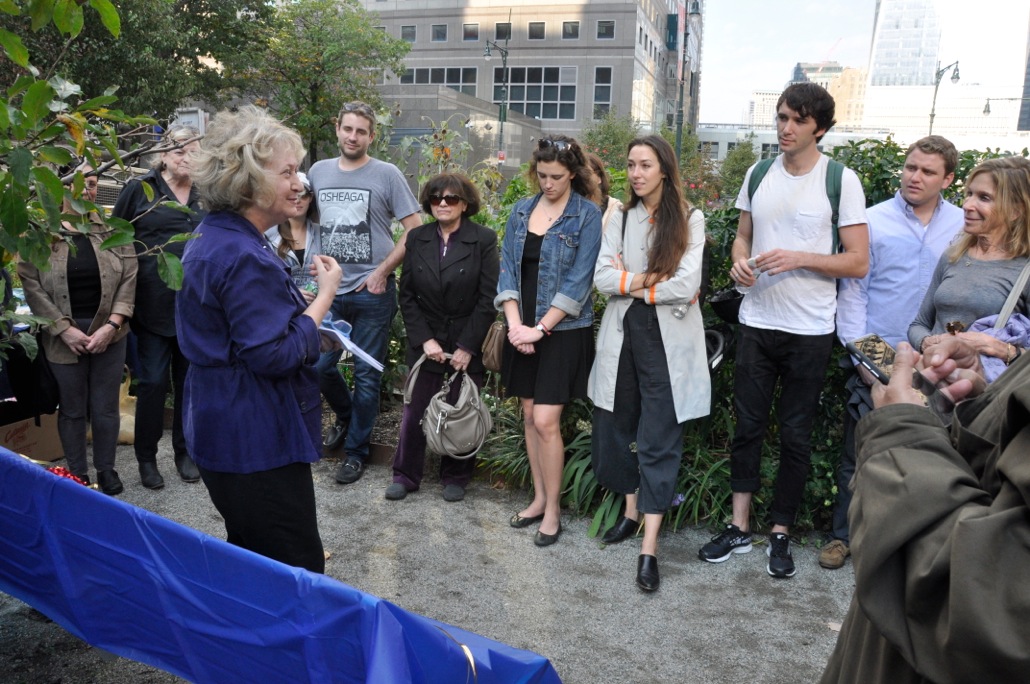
(447, 288)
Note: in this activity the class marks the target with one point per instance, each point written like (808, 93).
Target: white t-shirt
(793, 213)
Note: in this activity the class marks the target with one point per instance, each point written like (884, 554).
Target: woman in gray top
(975, 276)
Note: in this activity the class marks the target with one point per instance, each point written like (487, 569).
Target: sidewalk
(574, 602)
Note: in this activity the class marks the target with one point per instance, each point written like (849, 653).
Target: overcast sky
(754, 44)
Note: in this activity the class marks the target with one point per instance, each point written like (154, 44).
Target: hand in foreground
(460, 359)
(954, 365)
(899, 390)
(327, 273)
(76, 340)
(742, 273)
(779, 261)
(522, 335)
(374, 283)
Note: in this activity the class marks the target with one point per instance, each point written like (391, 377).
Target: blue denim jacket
(567, 260)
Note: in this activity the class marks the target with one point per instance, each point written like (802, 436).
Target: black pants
(158, 354)
(644, 413)
(270, 512)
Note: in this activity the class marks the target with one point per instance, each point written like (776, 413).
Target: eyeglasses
(436, 200)
(559, 145)
(307, 194)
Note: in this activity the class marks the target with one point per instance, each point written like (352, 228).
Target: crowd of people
(278, 251)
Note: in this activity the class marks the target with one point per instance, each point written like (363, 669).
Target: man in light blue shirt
(907, 235)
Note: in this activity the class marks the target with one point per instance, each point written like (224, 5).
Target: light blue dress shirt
(902, 257)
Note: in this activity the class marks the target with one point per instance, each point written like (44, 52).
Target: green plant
(609, 137)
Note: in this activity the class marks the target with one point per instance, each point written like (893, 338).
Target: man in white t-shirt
(787, 317)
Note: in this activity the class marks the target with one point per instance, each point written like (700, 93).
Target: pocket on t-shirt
(809, 226)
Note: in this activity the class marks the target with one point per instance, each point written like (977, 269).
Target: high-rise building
(567, 64)
(906, 36)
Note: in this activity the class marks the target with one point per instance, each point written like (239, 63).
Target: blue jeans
(370, 316)
(798, 363)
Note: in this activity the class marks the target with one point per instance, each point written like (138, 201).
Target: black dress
(558, 370)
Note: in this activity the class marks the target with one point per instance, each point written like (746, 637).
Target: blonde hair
(230, 169)
(1011, 177)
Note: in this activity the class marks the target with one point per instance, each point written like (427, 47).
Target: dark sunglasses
(559, 145)
(435, 200)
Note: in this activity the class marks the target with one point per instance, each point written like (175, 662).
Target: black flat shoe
(620, 531)
(647, 573)
(542, 539)
(110, 483)
(149, 475)
(520, 522)
(187, 469)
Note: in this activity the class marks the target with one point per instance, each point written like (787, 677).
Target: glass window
(468, 75)
(439, 33)
(470, 32)
(570, 30)
(603, 75)
(536, 30)
(606, 29)
(436, 76)
(601, 110)
(408, 76)
(540, 92)
(602, 91)
(408, 33)
(502, 31)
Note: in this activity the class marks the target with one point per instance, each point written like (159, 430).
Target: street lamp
(695, 11)
(987, 107)
(937, 84)
(503, 110)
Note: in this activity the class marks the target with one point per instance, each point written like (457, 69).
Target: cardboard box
(38, 443)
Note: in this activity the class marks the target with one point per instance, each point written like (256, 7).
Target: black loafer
(351, 470)
(519, 522)
(620, 531)
(647, 573)
(149, 475)
(187, 469)
(110, 483)
(542, 539)
(336, 435)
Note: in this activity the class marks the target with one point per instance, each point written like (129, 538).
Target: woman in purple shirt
(251, 405)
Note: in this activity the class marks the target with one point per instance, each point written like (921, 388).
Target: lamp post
(502, 113)
(937, 84)
(987, 107)
(695, 11)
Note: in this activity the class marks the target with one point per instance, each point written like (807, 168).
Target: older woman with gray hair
(253, 413)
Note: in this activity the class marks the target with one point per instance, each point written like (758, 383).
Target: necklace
(649, 212)
(550, 219)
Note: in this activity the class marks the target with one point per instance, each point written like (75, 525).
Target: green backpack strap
(834, 174)
(757, 174)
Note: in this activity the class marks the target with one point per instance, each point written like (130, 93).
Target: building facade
(568, 64)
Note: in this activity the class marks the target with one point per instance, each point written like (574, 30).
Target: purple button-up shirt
(251, 401)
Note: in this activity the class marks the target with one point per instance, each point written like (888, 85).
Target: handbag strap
(1010, 303)
(409, 384)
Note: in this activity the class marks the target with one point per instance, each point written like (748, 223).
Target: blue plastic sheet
(146, 588)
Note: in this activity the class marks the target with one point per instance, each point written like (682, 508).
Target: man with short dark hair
(907, 235)
(787, 318)
(358, 198)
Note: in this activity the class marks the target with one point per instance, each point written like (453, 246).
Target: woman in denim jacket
(547, 260)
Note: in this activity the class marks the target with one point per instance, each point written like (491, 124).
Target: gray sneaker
(395, 491)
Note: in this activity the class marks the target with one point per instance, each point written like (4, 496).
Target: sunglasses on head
(436, 200)
(559, 145)
(358, 107)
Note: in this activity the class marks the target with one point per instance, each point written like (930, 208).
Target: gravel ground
(575, 602)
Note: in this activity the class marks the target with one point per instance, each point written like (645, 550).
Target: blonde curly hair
(231, 169)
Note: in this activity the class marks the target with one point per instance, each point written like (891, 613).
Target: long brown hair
(567, 152)
(671, 232)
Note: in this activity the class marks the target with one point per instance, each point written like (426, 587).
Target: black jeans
(158, 354)
(798, 363)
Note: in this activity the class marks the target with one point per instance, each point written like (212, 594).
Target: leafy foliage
(609, 137)
(314, 56)
(735, 165)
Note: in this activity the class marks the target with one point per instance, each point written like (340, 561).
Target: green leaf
(108, 16)
(58, 156)
(181, 237)
(68, 17)
(50, 192)
(28, 342)
(13, 214)
(20, 161)
(169, 268)
(64, 88)
(36, 102)
(148, 190)
(96, 103)
(120, 239)
(119, 224)
(14, 48)
(41, 11)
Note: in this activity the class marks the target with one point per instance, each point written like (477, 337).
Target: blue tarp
(146, 588)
